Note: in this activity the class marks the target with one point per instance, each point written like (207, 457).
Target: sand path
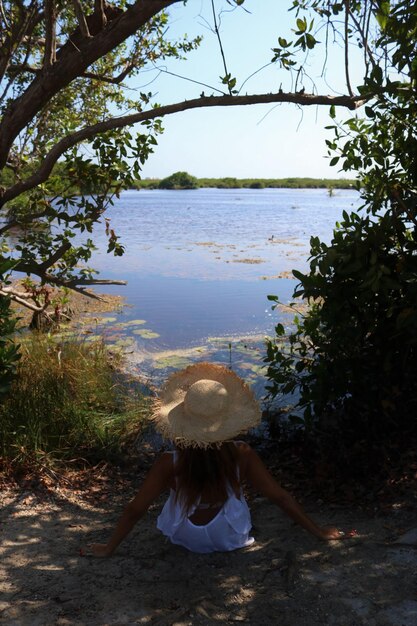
(287, 577)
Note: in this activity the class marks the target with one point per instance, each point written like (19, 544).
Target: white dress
(228, 530)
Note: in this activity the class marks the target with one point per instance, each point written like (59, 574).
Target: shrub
(352, 359)
(179, 180)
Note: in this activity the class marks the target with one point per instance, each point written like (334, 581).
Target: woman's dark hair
(210, 470)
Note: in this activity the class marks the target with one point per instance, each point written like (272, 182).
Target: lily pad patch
(145, 333)
(102, 320)
(130, 323)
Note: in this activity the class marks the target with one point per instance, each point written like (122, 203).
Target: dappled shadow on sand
(287, 577)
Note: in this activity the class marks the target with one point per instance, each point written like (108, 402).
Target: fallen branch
(20, 298)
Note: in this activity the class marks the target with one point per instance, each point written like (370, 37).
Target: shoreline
(252, 183)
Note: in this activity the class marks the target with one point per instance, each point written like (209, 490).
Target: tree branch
(93, 281)
(16, 223)
(99, 10)
(351, 102)
(347, 13)
(82, 22)
(72, 61)
(113, 80)
(3, 16)
(73, 283)
(116, 80)
(217, 31)
(50, 34)
(28, 18)
(26, 38)
(15, 68)
(27, 218)
(58, 254)
(364, 37)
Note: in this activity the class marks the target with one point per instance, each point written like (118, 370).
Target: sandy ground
(287, 577)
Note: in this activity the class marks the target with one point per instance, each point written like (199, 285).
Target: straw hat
(205, 404)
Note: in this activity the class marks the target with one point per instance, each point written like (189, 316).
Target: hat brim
(172, 421)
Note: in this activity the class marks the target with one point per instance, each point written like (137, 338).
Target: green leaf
(299, 275)
(301, 25)
(279, 329)
(6, 265)
(311, 41)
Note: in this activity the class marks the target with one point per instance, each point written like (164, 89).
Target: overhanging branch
(72, 62)
(304, 99)
(78, 284)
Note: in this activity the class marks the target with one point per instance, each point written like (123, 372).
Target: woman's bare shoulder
(244, 456)
(166, 458)
(164, 463)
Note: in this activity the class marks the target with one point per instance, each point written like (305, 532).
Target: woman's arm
(156, 481)
(255, 471)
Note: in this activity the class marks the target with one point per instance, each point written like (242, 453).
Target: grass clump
(69, 401)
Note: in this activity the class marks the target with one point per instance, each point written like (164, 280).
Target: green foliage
(230, 81)
(351, 360)
(9, 350)
(68, 401)
(285, 54)
(179, 180)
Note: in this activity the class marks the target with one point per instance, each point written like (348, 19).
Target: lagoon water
(199, 266)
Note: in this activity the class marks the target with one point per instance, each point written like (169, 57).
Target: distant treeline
(182, 180)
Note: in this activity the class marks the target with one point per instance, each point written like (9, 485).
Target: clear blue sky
(256, 141)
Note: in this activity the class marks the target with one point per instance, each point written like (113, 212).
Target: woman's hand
(96, 549)
(331, 533)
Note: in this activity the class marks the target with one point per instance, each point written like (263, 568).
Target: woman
(202, 409)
